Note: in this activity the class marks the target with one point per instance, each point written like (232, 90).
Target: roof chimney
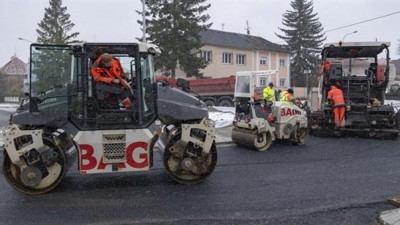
(247, 27)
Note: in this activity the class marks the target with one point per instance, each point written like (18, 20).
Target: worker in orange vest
(108, 73)
(336, 99)
(326, 66)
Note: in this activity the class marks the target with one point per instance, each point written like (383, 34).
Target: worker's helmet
(271, 84)
(106, 59)
(290, 91)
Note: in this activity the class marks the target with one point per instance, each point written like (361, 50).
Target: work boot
(127, 104)
(337, 132)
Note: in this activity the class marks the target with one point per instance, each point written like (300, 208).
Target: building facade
(13, 76)
(228, 53)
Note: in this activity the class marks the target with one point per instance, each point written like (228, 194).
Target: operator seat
(336, 71)
(371, 73)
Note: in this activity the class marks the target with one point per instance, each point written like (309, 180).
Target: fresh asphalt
(328, 181)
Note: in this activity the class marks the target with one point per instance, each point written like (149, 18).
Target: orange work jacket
(326, 66)
(336, 95)
(102, 74)
(256, 96)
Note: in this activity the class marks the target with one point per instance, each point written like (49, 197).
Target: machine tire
(175, 156)
(301, 137)
(225, 103)
(209, 102)
(252, 139)
(12, 174)
(262, 141)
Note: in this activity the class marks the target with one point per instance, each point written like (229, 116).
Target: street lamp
(144, 20)
(348, 34)
(23, 39)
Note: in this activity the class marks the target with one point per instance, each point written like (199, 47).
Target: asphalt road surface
(4, 117)
(326, 182)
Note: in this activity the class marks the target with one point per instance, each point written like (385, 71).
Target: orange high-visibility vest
(336, 95)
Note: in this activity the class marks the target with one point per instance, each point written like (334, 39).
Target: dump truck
(65, 119)
(361, 70)
(215, 91)
(212, 91)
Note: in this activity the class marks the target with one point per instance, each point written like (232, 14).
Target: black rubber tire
(225, 103)
(301, 138)
(209, 102)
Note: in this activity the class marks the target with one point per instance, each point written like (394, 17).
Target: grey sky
(115, 20)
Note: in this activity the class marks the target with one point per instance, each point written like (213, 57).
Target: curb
(390, 217)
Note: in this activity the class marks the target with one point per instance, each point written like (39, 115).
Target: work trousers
(338, 113)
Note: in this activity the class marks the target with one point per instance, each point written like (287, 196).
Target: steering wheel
(300, 104)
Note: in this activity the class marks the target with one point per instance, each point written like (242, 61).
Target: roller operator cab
(254, 125)
(361, 70)
(66, 118)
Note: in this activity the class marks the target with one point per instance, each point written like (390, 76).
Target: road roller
(67, 119)
(257, 126)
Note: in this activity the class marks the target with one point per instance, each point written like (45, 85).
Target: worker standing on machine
(287, 96)
(336, 100)
(269, 96)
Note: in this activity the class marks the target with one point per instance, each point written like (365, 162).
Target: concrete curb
(390, 217)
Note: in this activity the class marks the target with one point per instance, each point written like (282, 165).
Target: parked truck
(212, 91)
(215, 91)
(219, 91)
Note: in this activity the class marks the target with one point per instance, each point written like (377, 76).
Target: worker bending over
(336, 100)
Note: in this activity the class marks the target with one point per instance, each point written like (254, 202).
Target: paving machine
(361, 69)
(254, 126)
(66, 117)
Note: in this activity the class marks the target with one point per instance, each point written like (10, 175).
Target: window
(227, 58)
(240, 59)
(282, 82)
(282, 62)
(263, 82)
(206, 55)
(264, 61)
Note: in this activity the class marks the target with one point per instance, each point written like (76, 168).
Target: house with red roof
(13, 76)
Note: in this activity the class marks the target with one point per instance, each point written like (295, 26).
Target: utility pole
(144, 21)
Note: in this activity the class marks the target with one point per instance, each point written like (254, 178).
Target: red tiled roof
(14, 67)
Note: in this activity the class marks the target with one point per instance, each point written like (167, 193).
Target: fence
(11, 99)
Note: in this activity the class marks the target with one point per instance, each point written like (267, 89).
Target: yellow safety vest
(269, 94)
(284, 97)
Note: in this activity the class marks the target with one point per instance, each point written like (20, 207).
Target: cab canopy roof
(112, 46)
(354, 49)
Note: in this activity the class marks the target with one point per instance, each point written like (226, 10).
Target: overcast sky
(115, 20)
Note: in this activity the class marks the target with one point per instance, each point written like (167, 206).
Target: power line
(364, 21)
